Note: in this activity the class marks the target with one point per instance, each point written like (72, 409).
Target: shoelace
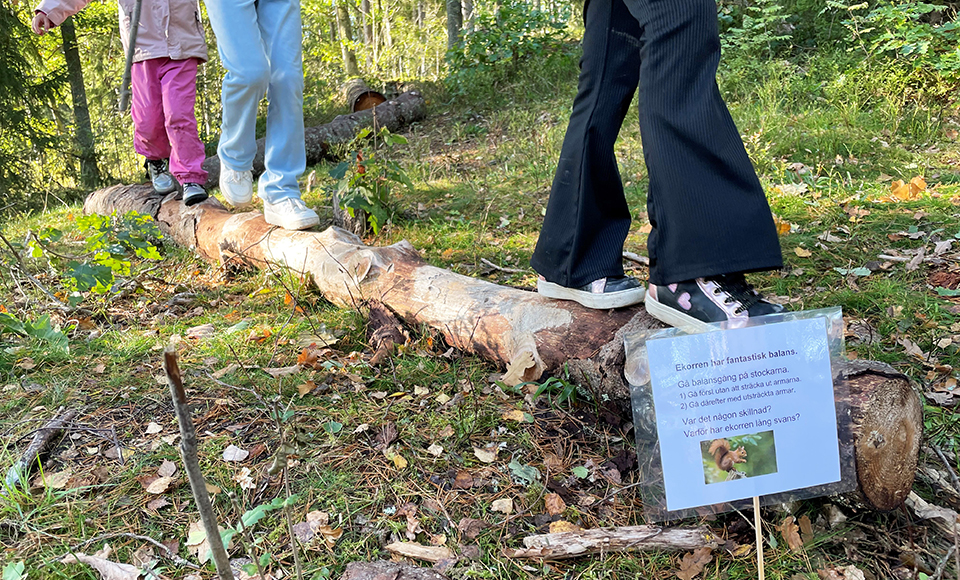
(737, 289)
(156, 164)
(237, 176)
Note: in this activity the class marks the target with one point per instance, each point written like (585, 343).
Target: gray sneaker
(160, 176)
(193, 193)
(613, 292)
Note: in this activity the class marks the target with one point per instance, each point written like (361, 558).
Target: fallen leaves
(791, 533)
(554, 504)
(503, 506)
(108, 570)
(316, 526)
(910, 191)
(694, 562)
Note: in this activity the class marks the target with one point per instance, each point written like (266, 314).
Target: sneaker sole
(301, 224)
(619, 299)
(675, 318)
(195, 199)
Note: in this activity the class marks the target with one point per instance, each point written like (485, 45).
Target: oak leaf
(791, 533)
(693, 563)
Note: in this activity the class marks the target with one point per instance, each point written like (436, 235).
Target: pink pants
(164, 124)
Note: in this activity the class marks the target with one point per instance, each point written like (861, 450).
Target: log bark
(394, 114)
(509, 326)
(565, 545)
(383, 570)
(420, 552)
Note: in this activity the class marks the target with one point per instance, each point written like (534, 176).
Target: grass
(482, 165)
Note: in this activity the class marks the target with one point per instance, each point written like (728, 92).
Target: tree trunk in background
(387, 35)
(346, 36)
(87, 151)
(366, 19)
(468, 15)
(454, 23)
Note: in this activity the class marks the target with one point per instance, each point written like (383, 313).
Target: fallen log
(417, 551)
(508, 326)
(359, 96)
(563, 545)
(394, 114)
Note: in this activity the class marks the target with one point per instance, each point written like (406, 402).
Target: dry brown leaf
(503, 506)
(159, 485)
(158, 503)
(471, 528)
(806, 529)
(486, 455)
(306, 387)
(108, 570)
(463, 480)
(167, 468)
(554, 504)
(517, 367)
(790, 532)
(693, 563)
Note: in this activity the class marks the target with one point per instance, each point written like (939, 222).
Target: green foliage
(14, 571)
(755, 29)
(919, 34)
(500, 39)
(112, 243)
(42, 330)
(364, 183)
(26, 90)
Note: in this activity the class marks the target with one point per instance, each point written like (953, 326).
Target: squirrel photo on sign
(729, 458)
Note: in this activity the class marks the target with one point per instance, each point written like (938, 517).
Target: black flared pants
(705, 203)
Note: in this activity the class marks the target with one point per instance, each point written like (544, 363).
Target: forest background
(849, 112)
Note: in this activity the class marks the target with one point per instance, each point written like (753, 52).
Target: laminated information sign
(744, 412)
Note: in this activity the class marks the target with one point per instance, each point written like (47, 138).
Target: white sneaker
(290, 214)
(236, 186)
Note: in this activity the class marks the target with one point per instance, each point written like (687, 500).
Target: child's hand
(41, 23)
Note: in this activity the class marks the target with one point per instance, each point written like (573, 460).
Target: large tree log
(532, 334)
(393, 114)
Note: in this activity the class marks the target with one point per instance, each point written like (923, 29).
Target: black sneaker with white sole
(193, 193)
(612, 292)
(694, 304)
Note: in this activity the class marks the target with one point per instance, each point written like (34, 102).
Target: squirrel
(724, 457)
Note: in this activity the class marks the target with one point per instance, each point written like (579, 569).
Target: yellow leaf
(287, 299)
(802, 252)
(563, 526)
(399, 461)
(514, 415)
(783, 227)
(919, 183)
(306, 387)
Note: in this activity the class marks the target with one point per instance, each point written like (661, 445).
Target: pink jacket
(168, 28)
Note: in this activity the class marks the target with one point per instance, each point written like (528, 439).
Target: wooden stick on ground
(188, 451)
(17, 474)
(605, 540)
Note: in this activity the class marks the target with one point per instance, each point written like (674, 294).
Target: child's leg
(149, 134)
(285, 159)
(178, 79)
(248, 73)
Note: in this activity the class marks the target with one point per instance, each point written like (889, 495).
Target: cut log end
(890, 432)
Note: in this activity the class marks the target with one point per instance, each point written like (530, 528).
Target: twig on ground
(170, 553)
(41, 439)
(636, 258)
(188, 452)
(943, 563)
(946, 463)
(502, 269)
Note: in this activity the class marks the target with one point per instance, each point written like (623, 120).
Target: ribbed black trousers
(705, 203)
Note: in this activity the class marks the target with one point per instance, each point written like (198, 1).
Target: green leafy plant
(501, 38)
(364, 183)
(42, 330)
(755, 29)
(14, 571)
(112, 242)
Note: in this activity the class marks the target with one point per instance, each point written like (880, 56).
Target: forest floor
(428, 446)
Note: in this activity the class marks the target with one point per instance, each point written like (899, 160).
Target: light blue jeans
(260, 47)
